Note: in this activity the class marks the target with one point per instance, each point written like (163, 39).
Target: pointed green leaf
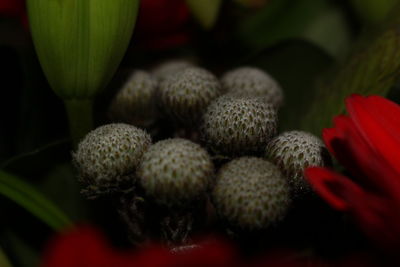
(205, 11)
(32, 200)
(80, 43)
(373, 68)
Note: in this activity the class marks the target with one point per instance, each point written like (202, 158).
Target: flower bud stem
(80, 117)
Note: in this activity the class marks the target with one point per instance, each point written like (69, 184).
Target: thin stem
(80, 116)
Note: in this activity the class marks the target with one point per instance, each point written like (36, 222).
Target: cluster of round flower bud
(236, 118)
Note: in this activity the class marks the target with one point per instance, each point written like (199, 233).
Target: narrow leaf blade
(4, 262)
(32, 200)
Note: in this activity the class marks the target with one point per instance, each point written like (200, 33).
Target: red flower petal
(367, 143)
(348, 146)
(154, 255)
(353, 152)
(86, 247)
(213, 253)
(377, 215)
(162, 15)
(333, 187)
(329, 135)
(162, 24)
(375, 130)
(79, 247)
(386, 112)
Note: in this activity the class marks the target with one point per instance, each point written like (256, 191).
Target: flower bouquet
(199, 133)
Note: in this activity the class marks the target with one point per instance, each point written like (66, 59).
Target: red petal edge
(332, 187)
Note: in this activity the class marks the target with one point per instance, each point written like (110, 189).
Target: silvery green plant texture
(228, 161)
(108, 157)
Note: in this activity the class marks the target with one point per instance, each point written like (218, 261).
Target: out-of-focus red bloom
(162, 24)
(87, 247)
(14, 8)
(367, 143)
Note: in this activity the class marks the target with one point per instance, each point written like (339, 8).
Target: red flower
(367, 143)
(14, 8)
(162, 24)
(87, 247)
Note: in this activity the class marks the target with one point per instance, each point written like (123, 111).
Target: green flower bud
(80, 43)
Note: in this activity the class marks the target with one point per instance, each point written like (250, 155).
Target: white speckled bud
(135, 103)
(249, 81)
(168, 68)
(293, 152)
(185, 95)
(251, 193)
(175, 171)
(108, 156)
(238, 126)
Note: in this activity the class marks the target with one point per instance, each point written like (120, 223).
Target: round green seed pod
(175, 171)
(234, 126)
(135, 102)
(168, 68)
(185, 95)
(107, 157)
(293, 152)
(251, 193)
(249, 81)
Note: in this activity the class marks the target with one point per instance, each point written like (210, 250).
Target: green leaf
(373, 11)
(33, 201)
(21, 251)
(318, 21)
(205, 11)
(61, 187)
(372, 68)
(329, 31)
(4, 262)
(81, 43)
